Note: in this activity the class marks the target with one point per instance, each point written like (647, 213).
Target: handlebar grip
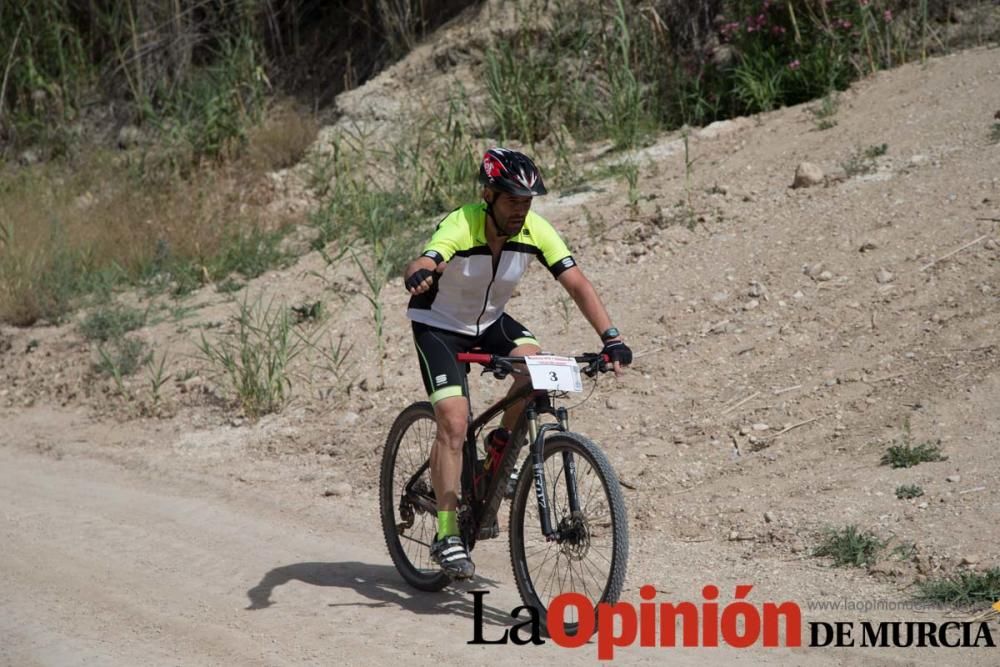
(474, 358)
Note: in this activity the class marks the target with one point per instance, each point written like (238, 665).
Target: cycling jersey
(471, 295)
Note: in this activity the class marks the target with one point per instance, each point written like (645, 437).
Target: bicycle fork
(536, 436)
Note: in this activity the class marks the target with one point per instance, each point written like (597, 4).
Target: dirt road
(103, 564)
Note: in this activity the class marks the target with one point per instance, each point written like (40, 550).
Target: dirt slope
(132, 538)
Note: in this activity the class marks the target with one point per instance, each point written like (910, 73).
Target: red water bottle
(496, 443)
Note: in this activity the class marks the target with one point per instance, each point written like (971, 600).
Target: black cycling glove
(417, 277)
(618, 351)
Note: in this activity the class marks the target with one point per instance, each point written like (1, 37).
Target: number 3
(553, 376)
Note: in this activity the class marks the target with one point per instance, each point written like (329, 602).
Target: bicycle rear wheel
(591, 557)
(409, 519)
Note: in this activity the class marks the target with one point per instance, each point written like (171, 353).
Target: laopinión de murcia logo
(738, 624)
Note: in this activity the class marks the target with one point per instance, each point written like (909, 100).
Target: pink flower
(794, 65)
(778, 30)
(887, 16)
(864, 3)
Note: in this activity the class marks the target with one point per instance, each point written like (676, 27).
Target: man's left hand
(619, 354)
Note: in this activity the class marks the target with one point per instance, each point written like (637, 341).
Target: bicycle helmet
(511, 172)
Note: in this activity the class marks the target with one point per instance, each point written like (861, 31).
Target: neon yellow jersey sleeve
(554, 252)
(452, 234)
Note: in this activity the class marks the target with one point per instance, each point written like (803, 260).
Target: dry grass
(83, 227)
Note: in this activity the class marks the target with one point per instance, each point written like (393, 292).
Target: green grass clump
(908, 491)
(995, 133)
(110, 323)
(862, 161)
(256, 357)
(964, 588)
(906, 455)
(850, 546)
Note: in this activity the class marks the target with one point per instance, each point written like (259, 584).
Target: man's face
(509, 211)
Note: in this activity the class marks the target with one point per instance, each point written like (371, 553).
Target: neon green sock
(447, 523)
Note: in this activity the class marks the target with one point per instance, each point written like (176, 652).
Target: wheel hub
(574, 536)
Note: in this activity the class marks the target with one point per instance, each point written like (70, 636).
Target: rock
(954, 479)
(613, 403)
(807, 174)
(798, 294)
(236, 422)
(824, 276)
(28, 157)
(339, 489)
(922, 506)
(751, 304)
(733, 535)
(768, 517)
(813, 270)
(883, 277)
(349, 418)
(128, 136)
(84, 201)
(192, 385)
(970, 560)
(719, 297)
(918, 160)
(867, 246)
(990, 244)
(760, 426)
(756, 290)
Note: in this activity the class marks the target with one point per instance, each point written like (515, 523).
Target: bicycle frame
(485, 508)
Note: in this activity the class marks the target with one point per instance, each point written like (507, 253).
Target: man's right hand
(419, 281)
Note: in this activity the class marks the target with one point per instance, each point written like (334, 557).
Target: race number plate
(554, 373)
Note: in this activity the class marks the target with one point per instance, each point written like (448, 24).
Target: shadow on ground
(379, 583)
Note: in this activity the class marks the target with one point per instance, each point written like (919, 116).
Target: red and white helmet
(511, 172)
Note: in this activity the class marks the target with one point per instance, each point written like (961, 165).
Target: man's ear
(489, 196)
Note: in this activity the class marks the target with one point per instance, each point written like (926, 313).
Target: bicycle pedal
(489, 532)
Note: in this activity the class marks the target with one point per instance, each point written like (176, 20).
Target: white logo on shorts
(568, 262)
(440, 380)
(526, 333)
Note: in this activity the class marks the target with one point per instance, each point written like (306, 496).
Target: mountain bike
(570, 535)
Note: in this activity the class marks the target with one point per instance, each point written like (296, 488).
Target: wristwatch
(610, 333)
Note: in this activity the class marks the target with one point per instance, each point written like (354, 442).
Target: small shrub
(121, 357)
(823, 113)
(876, 150)
(862, 161)
(905, 455)
(111, 323)
(964, 588)
(908, 491)
(850, 546)
(995, 133)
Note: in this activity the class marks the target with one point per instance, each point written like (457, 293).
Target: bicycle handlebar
(595, 362)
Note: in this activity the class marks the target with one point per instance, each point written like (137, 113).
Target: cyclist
(486, 247)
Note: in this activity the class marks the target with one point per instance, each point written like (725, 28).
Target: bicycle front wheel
(586, 505)
(406, 497)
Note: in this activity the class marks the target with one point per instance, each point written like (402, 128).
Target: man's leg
(513, 413)
(447, 549)
(444, 381)
(452, 415)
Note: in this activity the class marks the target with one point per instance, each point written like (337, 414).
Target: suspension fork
(536, 436)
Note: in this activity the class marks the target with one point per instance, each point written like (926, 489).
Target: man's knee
(452, 420)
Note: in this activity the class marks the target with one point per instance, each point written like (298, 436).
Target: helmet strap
(491, 218)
